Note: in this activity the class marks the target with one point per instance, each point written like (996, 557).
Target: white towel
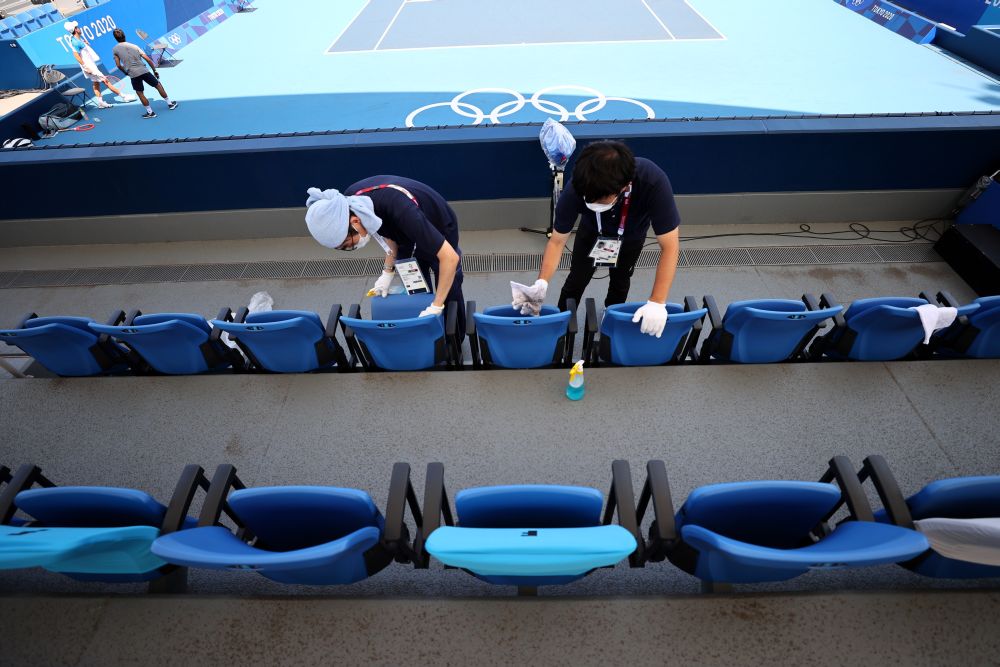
(970, 540)
(933, 318)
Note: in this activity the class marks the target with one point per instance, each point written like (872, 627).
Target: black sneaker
(172, 106)
(149, 114)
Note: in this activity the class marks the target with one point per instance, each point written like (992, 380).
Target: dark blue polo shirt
(425, 227)
(652, 204)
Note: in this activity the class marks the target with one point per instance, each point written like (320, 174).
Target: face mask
(600, 208)
(363, 241)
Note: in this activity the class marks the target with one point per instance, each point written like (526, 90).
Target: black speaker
(973, 251)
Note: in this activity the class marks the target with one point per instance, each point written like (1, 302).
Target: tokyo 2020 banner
(900, 21)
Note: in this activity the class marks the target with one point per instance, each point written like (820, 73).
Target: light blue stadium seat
(67, 346)
(878, 329)
(29, 20)
(501, 336)
(176, 343)
(287, 341)
(976, 336)
(408, 344)
(526, 535)
(303, 534)
(623, 344)
(955, 498)
(7, 30)
(17, 26)
(87, 533)
(763, 331)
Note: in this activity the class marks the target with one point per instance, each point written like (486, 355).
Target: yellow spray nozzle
(576, 370)
(371, 292)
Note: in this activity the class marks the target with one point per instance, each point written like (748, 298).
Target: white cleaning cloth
(970, 540)
(933, 318)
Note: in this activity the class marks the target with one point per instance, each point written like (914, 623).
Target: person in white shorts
(87, 57)
(131, 60)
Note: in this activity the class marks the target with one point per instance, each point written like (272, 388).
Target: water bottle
(575, 389)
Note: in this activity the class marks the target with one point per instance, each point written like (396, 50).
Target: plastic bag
(557, 143)
(260, 302)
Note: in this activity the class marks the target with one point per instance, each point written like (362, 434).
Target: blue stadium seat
(976, 336)
(501, 336)
(90, 533)
(67, 346)
(526, 536)
(878, 329)
(301, 534)
(621, 343)
(16, 26)
(54, 14)
(956, 498)
(287, 341)
(42, 15)
(176, 343)
(764, 330)
(29, 20)
(749, 532)
(7, 30)
(408, 344)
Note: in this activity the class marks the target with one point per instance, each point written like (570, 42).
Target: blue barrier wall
(179, 11)
(895, 18)
(16, 69)
(981, 45)
(959, 14)
(500, 162)
(50, 45)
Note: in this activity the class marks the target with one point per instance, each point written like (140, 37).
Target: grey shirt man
(131, 57)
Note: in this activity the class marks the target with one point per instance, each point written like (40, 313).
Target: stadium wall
(17, 72)
(959, 14)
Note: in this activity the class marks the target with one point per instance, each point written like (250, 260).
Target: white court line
(519, 44)
(650, 10)
(346, 27)
(389, 27)
(710, 25)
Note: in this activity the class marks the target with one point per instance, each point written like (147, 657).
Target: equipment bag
(60, 117)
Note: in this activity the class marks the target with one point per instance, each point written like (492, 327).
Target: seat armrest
(436, 507)
(877, 469)
(130, 318)
(25, 477)
(223, 481)
(591, 334)
(621, 500)
(241, 315)
(842, 472)
(192, 478)
(452, 342)
(827, 300)
(225, 315)
(571, 330)
(714, 318)
(396, 537)
(470, 331)
(332, 321)
(690, 348)
(663, 531)
(357, 356)
(946, 299)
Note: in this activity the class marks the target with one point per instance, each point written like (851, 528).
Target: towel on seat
(969, 540)
(933, 318)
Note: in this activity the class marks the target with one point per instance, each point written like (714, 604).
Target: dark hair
(603, 168)
(119, 34)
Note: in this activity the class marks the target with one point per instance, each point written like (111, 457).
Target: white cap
(70, 26)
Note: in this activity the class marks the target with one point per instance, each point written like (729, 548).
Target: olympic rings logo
(465, 109)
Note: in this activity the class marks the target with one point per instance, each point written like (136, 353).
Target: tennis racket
(83, 128)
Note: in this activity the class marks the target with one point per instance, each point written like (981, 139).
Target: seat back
(281, 341)
(776, 514)
(61, 344)
(529, 506)
(957, 498)
(6, 30)
(90, 507)
(514, 340)
(884, 327)
(400, 345)
(770, 330)
(628, 346)
(987, 319)
(169, 342)
(399, 306)
(286, 518)
(17, 26)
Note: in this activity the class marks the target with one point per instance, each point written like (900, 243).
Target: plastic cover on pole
(557, 142)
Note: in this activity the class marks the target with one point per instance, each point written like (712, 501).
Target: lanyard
(400, 188)
(621, 221)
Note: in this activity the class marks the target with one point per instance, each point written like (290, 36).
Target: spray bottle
(575, 389)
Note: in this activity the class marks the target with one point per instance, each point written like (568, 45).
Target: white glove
(381, 287)
(653, 316)
(431, 310)
(528, 300)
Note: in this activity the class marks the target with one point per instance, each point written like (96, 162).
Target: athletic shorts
(146, 77)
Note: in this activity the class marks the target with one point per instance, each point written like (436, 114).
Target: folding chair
(955, 504)
(878, 329)
(287, 341)
(395, 339)
(93, 533)
(621, 343)
(158, 51)
(316, 535)
(976, 335)
(763, 331)
(176, 343)
(527, 535)
(749, 532)
(501, 336)
(67, 346)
